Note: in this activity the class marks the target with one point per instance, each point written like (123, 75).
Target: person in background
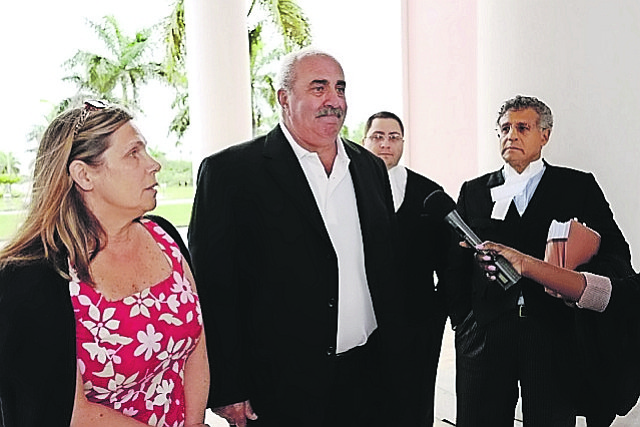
(100, 322)
(291, 237)
(522, 340)
(421, 257)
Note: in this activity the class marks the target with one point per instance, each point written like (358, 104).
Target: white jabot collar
(514, 185)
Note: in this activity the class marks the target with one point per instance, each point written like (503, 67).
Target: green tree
(173, 64)
(353, 134)
(115, 76)
(274, 27)
(9, 164)
(118, 74)
(9, 171)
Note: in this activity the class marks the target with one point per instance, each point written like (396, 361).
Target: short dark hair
(382, 115)
(519, 102)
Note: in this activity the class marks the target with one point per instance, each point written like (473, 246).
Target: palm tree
(9, 164)
(266, 18)
(174, 67)
(9, 170)
(285, 19)
(117, 75)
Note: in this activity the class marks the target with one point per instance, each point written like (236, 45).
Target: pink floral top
(132, 352)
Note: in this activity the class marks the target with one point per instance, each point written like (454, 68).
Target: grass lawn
(177, 213)
(9, 223)
(174, 204)
(173, 193)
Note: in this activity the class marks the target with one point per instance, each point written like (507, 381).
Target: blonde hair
(59, 228)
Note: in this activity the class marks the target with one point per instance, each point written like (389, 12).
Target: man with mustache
(522, 340)
(292, 243)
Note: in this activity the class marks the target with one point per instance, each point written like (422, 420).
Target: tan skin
(521, 138)
(313, 111)
(568, 284)
(385, 140)
(318, 85)
(118, 192)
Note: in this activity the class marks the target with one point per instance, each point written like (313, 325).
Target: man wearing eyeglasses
(423, 244)
(521, 341)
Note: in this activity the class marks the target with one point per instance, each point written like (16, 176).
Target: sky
(40, 35)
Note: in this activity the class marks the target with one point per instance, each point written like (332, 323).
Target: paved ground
(445, 392)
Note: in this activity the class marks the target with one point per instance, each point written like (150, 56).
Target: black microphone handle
(506, 275)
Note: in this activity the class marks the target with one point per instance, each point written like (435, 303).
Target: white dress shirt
(398, 180)
(336, 200)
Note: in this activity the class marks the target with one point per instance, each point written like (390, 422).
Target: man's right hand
(237, 413)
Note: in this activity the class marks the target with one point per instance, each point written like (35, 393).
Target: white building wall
(579, 57)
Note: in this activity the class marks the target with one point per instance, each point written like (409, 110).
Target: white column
(439, 45)
(218, 72)
(578, 57)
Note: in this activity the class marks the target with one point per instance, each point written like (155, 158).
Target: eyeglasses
(89, 105)
(521, 128)
(378, 137)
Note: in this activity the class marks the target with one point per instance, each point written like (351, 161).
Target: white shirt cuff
(596, 294)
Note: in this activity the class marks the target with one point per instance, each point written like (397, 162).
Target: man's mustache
(330, 111)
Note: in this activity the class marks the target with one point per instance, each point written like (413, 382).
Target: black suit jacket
(424, 242)
(267, 272)
(423, 246)
(38, 343)
(562, 194)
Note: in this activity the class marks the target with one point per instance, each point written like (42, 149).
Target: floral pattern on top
(132, 352)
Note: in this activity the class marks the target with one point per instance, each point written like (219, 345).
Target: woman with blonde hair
(100, 323)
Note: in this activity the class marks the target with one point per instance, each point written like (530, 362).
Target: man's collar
(497, 178)
(301, 152)
(532, 168)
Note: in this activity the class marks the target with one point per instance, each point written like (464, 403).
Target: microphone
(439, 205)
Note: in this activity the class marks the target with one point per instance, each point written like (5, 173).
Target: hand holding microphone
(440, 206)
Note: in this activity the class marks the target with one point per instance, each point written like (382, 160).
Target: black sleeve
(213, 242)
(37, 348)
(614, 257)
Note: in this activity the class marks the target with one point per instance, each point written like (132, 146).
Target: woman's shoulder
(172, 231)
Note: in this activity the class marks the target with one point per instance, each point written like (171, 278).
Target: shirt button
(332, 302)
(331, 351)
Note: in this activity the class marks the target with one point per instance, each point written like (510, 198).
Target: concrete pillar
(218, 72)
(462, 59)
(440, 104)
(577, 56)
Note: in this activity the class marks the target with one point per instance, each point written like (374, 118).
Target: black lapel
(368, 206)
(408, 190)
(283, 165)
(495, 178)
(543, 197)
